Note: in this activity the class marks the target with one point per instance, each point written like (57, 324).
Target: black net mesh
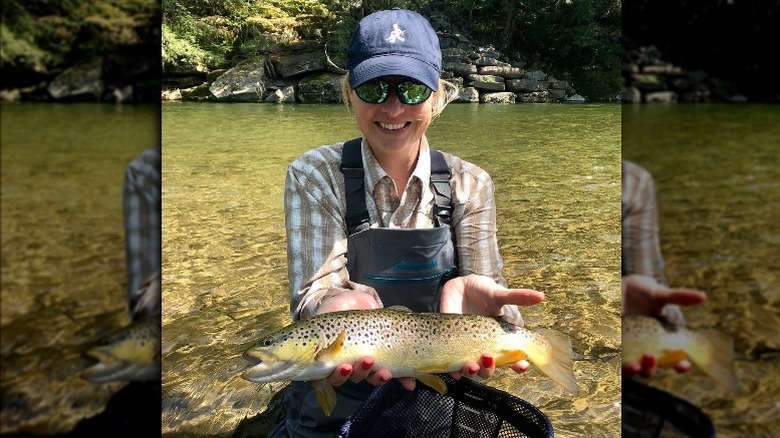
(468, 410)
(652, 413)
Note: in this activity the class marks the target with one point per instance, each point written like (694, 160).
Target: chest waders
(407, 267)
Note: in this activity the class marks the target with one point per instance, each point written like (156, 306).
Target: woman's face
(391, 126)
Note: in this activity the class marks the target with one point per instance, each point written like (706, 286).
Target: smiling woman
(357, 212)
(558, 221)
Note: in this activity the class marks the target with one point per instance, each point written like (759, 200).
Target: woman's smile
(392, 126)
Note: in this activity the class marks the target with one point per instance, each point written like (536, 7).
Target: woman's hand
(363, 369)
(644, 296)
(477, 294)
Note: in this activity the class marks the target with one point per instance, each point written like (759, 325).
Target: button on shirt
(315, 207)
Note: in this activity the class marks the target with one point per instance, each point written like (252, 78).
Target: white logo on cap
(396, 35)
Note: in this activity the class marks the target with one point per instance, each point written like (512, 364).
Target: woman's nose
(392, 106)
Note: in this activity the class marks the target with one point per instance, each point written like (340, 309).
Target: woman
(385, 220)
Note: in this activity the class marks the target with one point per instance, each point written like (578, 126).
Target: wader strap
(352, 168)
(357, 214)
(440, 178)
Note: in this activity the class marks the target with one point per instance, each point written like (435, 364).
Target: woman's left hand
(477, 294)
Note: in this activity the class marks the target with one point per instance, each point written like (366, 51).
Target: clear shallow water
(717, 171)
(557, 173)
(63, 273)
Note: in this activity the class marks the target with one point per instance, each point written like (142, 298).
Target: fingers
(470, 369)
(521, 367)
(649, 366)
(683, 297)
(339, 375)
(645, 367)
(408, 382)
(362, 369)
(682, 366)
(632, 369)
(379, 377)
(488, 366)
(485, 368)
(520, 297)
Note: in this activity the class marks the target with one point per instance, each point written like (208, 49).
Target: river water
(717, 171)
(556, 169)
(557, 174)
(63, 263)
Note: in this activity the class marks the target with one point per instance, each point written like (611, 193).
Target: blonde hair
(446, 93)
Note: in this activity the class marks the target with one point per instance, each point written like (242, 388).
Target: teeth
(392, 126)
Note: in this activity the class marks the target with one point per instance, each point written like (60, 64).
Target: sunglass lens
(373, 92)
(411, 93)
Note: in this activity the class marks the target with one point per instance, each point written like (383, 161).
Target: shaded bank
(132, 412)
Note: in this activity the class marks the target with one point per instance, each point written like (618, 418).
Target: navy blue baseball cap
(394, 42)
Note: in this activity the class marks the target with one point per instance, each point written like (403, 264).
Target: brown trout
(409, 344)
(709, 350)
(132, 353)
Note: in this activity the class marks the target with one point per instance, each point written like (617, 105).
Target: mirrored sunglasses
(408, 92)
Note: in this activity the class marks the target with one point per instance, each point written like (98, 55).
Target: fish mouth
(257, 356)
(266, 367)
(102, 372)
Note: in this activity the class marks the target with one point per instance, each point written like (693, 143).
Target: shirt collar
(375, 173)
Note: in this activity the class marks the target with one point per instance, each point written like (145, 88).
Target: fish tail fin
(554, 358)
(714, 355)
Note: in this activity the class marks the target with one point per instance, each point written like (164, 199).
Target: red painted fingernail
(384, 378)
(473, 369)
(368, 364)
(345, 371)
(648, 361)
(487, 361)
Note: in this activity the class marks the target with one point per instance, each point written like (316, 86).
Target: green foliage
(17, 51)
(49, 32)
(576, 40)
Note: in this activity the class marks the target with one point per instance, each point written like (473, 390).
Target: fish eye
(266, 343)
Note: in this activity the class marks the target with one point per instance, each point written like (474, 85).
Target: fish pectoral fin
(509, 357)
(433, 381)
(326, 395)
(331, 351)
(671, 357)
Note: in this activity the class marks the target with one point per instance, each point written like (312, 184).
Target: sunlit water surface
(717, 171)
(557, 173)
(64, 282)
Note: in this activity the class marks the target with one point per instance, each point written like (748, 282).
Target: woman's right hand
(363, 368)
(645, 296)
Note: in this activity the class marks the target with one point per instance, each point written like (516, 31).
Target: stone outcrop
(648, 78)
(482, 75)
(126, 76)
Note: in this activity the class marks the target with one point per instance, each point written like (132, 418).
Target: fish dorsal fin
(331, 351)
(399, 308)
